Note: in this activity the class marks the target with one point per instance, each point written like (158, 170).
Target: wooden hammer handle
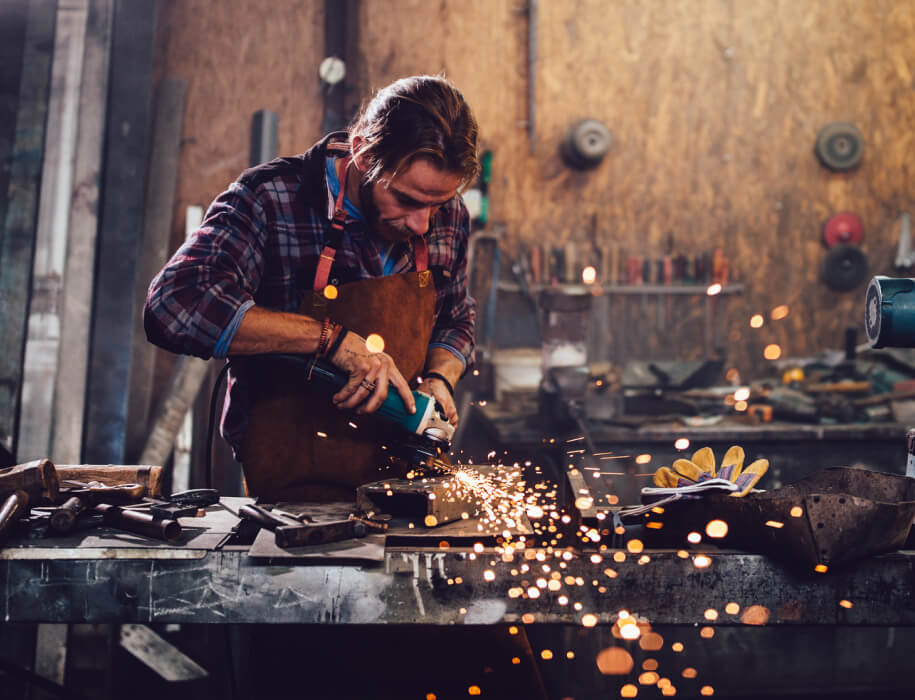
(37, 478)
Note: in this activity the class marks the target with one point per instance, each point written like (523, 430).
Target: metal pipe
(532, 72)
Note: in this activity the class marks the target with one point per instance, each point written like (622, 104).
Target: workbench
(445, 587)
(794, 450)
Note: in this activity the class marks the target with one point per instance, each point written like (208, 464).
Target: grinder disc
(586, 144)
(845, 228)
(839, 146)
(844, 267)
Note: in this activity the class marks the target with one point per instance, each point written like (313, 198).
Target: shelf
(636, 289)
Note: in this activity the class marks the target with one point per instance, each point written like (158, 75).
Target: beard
(385, 230)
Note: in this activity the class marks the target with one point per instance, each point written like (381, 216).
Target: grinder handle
(393, 409)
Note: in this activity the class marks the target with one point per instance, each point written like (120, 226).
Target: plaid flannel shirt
(260, 243)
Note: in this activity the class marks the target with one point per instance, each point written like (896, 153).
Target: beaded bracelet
(325, 336)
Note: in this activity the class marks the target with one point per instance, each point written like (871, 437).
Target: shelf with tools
(599, 289)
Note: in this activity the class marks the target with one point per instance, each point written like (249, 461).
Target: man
(358, 244)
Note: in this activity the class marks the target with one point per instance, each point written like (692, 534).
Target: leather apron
(285, 454)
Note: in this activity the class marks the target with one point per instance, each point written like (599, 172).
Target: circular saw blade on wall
(839, 146)
(844, 267)
(585, 144)
(844, 228)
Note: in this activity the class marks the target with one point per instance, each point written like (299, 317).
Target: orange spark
(716, 529)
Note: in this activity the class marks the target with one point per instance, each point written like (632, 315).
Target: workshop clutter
(51, 500)
(830, 518)
(577, 263)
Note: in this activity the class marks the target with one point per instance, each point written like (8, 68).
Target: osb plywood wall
(714, 106)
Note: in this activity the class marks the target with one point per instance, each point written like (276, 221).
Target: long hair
(422, 116)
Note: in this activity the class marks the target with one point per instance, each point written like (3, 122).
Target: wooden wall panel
(714, 106)
(238, 57)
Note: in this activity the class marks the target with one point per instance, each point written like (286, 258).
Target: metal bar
(13, 17)
(264, 127)
(335, 34)
(39, 373)
(17, 242)
(154, 250)
(532, 73)
(79, 272)
(121, 219)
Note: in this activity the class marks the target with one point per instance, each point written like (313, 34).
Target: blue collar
(334, 183)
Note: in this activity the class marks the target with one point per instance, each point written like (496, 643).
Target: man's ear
(358, 160)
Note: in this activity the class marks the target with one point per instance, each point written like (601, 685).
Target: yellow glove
(702, 468)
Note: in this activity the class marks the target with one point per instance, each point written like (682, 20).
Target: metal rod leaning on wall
(17, 231)
(182, 389)
(532, 73)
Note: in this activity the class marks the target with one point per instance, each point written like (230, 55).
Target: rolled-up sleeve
(209, 283)
(454, 323)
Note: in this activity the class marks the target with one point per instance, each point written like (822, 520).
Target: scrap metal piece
(829, 518)
(433, 500)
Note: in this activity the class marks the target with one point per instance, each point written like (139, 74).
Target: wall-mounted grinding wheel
(586, 144)
(839, 146)
(844, 268)
(843, 229)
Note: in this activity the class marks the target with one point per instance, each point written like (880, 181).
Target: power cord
(211, 427)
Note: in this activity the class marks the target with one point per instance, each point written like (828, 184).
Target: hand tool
(63, 518)
(38, 478)
(149, 476)
(571, 266)
(522, 272)
(290, 531)
(668, 280)
(535, 264)
(140, 523)
(889, 312)
(425, 435)
(80, 497)
(184, 504)
(13, 507)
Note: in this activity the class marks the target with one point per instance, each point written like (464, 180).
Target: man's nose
(418, 220)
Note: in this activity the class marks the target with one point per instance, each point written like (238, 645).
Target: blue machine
(889, 312)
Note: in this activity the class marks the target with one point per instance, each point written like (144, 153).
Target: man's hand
(447, 364)
(370, 373)
(437, 389)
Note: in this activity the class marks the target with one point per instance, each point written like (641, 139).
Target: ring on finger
(367, 385)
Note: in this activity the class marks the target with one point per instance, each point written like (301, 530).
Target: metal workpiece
(441, 587)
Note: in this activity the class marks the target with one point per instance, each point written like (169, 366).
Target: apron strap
(420, 253)
(326, 261)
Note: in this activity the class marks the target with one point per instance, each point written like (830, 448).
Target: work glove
(702, 467)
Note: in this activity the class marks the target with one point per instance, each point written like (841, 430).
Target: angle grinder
(889, 312)
(425, 435)
(889, 317)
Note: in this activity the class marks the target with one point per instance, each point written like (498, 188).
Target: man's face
(400, 207)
